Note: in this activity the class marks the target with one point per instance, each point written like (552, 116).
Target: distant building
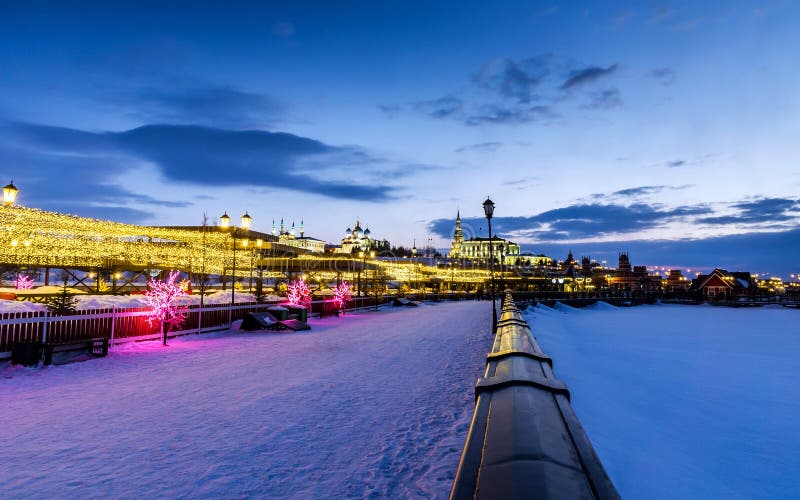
(676, 282)
(356, 239)
(289, 238)
(478, 248)
(529, 259)
(631, 278)
(458, 239)
(720, 284)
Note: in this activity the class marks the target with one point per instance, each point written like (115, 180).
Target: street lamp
(9, 193)
(414, 257)
(363, 258)
(488, 209)
(374, 278)
(225, 223)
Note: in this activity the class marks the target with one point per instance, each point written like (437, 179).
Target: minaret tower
(458, 239)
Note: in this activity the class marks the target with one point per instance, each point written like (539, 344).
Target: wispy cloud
(759, 210)
(493, 115)
(586, 220)
(515, 79)
(444, 107)
(604, 99)
(522, 183)
(482, 147)
(190, 155)
(509, 91)
(638, 191)
(587, 75)
(390, 110)
(665, 76)
(213, 105)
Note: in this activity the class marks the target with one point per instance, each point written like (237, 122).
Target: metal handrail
(525, 441)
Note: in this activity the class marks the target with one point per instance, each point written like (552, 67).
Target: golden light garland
(30, 236)
(40, 238)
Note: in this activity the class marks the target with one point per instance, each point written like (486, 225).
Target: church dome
(348, 232)
(367, 232)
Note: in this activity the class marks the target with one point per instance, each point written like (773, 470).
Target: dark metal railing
(525, 441)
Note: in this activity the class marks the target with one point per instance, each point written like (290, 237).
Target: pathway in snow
(373, 404)
(683, 401)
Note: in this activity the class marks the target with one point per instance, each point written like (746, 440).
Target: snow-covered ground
(684, 401)
(374, 404)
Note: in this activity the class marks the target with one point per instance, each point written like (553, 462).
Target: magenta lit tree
(24, 282)
(342, 295)
(299, 294)
(161, 297)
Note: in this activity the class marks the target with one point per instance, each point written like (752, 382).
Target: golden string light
(34, 237)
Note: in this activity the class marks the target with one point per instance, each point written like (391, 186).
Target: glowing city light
(161, 296)
(342, 295)
(299, 294)
(24, 282)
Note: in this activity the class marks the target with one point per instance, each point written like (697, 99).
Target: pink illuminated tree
(299, 294)
(24, 282)
(342, 295)
(161, 297)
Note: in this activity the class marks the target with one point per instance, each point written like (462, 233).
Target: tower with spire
(458, 239)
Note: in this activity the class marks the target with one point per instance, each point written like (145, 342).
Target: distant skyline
(664, 129)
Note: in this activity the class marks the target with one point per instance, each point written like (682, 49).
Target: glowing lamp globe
(10, 193)
(246, 220)
(225, 220)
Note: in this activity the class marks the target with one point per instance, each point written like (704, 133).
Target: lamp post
(225, 223)
(374, 279)
(488, 210)
(9, 194)
(414, 258)
(503, 268)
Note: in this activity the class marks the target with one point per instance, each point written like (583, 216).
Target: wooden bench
(97, 347)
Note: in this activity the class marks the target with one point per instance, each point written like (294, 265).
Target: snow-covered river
(684, 401)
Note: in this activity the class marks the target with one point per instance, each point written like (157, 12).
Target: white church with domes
(356, 239)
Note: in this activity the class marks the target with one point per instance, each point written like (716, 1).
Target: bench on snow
(97, 347)
(400, 301)
(266, 321)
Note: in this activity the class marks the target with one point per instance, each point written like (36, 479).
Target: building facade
(289, 237)
(724, 285)
(356, 239)
(479, 248)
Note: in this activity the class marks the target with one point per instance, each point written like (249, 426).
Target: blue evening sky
(666, 129)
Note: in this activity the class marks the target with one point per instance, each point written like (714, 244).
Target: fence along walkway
(123, 325)
(525, 441)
